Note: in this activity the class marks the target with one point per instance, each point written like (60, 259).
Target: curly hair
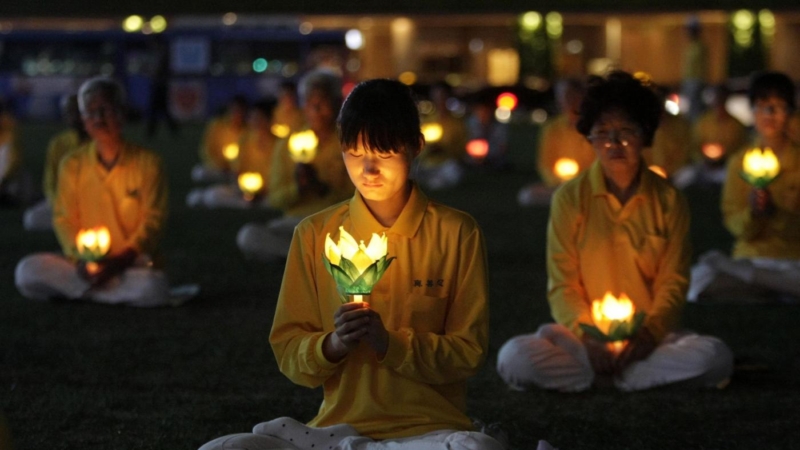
(766, 84)
(623, 92)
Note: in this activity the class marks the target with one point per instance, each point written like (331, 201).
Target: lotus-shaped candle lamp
(93, 244)
(280, 130)
(615, 320)
(478, 148)
(566, 169)
(231, 151)
(713, 151)
(354, 266)
(250, 183)
(303, 147)
(760, 167)
(432, 132)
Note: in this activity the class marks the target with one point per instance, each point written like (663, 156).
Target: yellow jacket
(9, 138)
(256, 154)
(218, 134)
(559, 139)
(726, 131)
(595, 245)
(329, 164)
(765, 237)
(59, 146)
(130, 199)
(433, 300)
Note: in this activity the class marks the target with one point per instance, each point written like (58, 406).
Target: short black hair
(380, 114)
(265, 106)
(620, 91)
(766, 84)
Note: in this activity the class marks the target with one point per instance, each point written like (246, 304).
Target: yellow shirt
(59, 146)
(433, 300)
(712, 129)
(559, 139)
(767, 237)
(291, 116)
(329, 165)
(255, 154)
(219, 133)
(130, 199)
(451, 146)
(671, 143)
(794, 127)
(596, 245)
(9, 138)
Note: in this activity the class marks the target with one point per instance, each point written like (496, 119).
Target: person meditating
(765, 222)
(107, 183)
(219, 135)
(393, 368)
(617, 228)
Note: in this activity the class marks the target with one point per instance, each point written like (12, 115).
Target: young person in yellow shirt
(617, 228)
(394, 368)
(299, 190)
(220, 133)
(40, 215)
(765, 262)
(256, 148)
(16, 185)
(110, 183)
(559, 139)
(288, 113)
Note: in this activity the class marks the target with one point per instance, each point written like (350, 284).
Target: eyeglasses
(625, 137)
(99, 113)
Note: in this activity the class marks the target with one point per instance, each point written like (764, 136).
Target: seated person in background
(669, 150)
(439, 164)
(302, 189)
(215, 149)
(288, 113)
(16, 185)
(618, 228)
(715, 136)
(794, 127)
(483, 128)
(765, 264)
(393, 370)
(40, 215)
(106, 183)
(255, 156)
(561, 147)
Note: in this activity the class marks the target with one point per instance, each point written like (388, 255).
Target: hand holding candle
(615, 321)
(356, 267)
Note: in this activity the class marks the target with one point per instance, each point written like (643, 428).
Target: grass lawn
(90, 376)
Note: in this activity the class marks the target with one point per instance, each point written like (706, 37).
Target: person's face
(571, 104)
(771, 116)
(617, 141)
(319, 111)
(102, 118)
(377, 176)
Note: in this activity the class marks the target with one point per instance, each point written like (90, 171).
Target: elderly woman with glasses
(617, 228)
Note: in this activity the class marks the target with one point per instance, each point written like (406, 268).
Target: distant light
(478, 148)
(353, 39)
(453, 79)
(531, 20)
(554, 25)
(147, 28)
(673, 104)
(158, 24)
(539, 116)
(743, 19)
(306, 28)
(229, 18)
(353, 64)
(574, 47)
(289, 70)
(407, 78)
(507, 100)
(766, 18)
(658, 170)
(425, 107)
(280, 130)
(347, 88)
(260, 65)
(476, 45)
(133, 23)
(503, 115)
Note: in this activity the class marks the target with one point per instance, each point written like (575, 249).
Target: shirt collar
(123, 156)
(597, 180)
(407, 223)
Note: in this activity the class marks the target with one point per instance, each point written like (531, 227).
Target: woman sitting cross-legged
(619, 228)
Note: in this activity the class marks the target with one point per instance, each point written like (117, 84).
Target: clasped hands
(355, 322)
(605, 361)
(99, 272)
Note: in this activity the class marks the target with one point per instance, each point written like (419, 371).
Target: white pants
(267, 242)
(203, 174)
(717, 278)
(287, 433)
(43, 276)
(554, 358)
(222, 196)
(38, 217)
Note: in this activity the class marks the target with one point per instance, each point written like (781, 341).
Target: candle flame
(93, 243)
(566, 168)
(610, 309)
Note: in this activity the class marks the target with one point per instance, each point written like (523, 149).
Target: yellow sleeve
(283, 190)
(672, 279)
(565, 290)
(297, 331)
(66, 222)
(736, 211)
(154, 200)
(548, 154)
(457, 354)
(210, 153)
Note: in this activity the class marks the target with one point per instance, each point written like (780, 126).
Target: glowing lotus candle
(432, 132)
(280, 130)
(566, 169)
(356, 267)
(760, 167)
(250, 183)
(713, 151)
(303, 147)
(478, 148)
(615, 320)
(231, 151)
(93, 244)
(658, 170)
